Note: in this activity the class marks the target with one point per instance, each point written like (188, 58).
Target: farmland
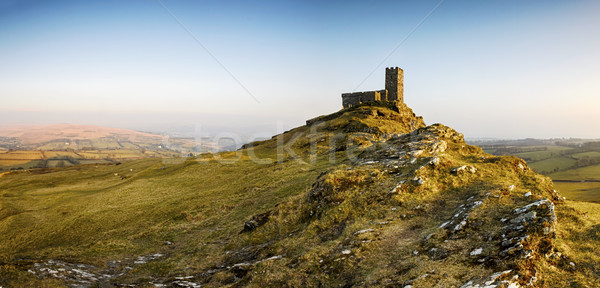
(26, 159)
(573, 164)
(66, 137)
(52, 146)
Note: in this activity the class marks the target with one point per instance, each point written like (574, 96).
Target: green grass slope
(365, 197)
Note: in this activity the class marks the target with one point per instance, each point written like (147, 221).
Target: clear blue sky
(508, 69)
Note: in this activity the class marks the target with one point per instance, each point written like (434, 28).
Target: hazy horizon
(190, 125)
(497, 69)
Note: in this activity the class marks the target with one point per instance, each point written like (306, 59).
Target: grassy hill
(367, 197)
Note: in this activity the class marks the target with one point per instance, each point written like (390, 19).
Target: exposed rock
(146, 259)
(397, 187)
(362, 231)
(418, 180)
(416, 153)
(272, 258)
(476, 252)
(459, 219)
(464, 169)
(495, 280)
(556, 197)
(438, 147)
(76, 275)
(184, 284)
(256, 221)
(438, 253)
(241, 269)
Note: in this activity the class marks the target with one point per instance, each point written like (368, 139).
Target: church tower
(394, 84)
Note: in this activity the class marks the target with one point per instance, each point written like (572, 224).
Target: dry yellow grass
(51, 154)
(21, 155)
(19, 158)
(16, 158)
(115, 154)
(11, 162)
(91, 155)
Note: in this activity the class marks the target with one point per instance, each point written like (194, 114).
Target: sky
(498, 69)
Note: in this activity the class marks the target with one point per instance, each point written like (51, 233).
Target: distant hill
(58, 145)
(38, 134)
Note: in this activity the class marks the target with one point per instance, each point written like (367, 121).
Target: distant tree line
(593, 145)
(62, 161)
(587, 161)
(514, 150)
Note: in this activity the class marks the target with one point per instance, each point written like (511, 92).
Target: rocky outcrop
(501, 229)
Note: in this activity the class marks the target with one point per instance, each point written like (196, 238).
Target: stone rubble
(78, 275)
(75, 274)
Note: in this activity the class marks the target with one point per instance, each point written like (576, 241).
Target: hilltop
(369, 196)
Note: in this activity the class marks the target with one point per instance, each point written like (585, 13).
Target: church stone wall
(394, 90)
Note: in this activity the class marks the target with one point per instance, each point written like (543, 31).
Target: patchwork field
(573, 164)
(51, 154)
(13, 162)
(584, 173)
(50, 146)
(546, 152)
(68, 137)
(552, 164)
(16, 160)
(22, 155)
(590, 154)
